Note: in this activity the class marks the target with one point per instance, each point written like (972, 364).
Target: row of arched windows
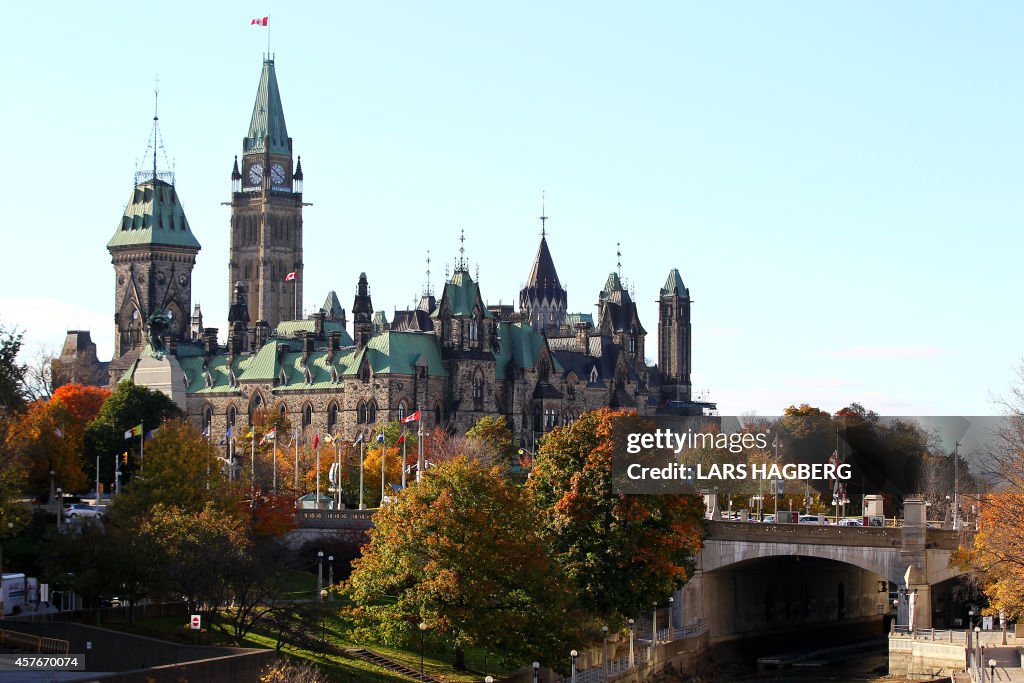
(366, 411)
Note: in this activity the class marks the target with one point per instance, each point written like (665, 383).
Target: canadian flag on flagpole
(412, 418)
(291, 276)
(260, 21)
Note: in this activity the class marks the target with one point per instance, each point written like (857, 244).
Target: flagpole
(142, 445)
(361, 505)
(337, 475)
(419, 460)
(318, 477)
(383, 443)
(252, 465)
(275, 462)
(403, 456)
(295, 438)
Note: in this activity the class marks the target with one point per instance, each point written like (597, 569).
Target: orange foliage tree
(622, 552)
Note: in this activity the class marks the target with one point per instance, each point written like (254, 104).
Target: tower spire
(429, 289)
(618, 257)
(156, 117)
(543, 217)
(461, 265)
(155, 142)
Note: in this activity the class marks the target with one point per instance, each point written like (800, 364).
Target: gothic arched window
(307, 415)
(332, 417)
(401, 411)
(478, 390)
(232, 414)
(361, 413)
(371, 411)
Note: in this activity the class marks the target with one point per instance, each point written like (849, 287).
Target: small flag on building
(134, 431)
(412, 418)
(291, 276)
(269, 436)
(260, 21)
(359, 439)
(251, 434)
(380, 438)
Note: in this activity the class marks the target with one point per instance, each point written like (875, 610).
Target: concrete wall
(924, 658)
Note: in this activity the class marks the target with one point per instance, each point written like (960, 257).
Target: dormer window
(593, 375)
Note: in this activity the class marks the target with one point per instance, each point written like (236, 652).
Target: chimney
(581, 336)
(318, 323)
(333, 343)
(262, 334)
(210, 340)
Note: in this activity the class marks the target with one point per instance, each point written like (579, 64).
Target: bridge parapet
(807, 534)
(335, 519)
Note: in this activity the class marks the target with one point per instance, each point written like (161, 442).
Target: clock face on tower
(256, 174)
(277, 174)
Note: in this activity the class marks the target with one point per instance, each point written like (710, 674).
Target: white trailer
(12, 593)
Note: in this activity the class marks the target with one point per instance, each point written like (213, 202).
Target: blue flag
(380, 438)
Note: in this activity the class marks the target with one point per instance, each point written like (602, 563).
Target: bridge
(754, 578)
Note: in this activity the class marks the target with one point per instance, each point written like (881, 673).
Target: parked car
(851, 522)
(810, 519)
(82, 510)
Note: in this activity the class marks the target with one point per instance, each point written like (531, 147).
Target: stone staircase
(390, 665)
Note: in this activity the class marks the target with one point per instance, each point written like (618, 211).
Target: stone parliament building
(453, 357)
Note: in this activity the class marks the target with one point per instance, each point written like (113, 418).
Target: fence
(641, 653)
(13, 640)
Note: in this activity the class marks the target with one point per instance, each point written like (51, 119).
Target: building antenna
(156, 119)
(462, 251)
(618, 256)
(543, 216)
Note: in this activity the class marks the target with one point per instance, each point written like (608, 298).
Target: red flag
(401, 439)
(291, 276)
(411, 418)
(316, 441)
(260, 21)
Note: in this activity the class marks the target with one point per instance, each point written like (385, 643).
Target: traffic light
(124, 458)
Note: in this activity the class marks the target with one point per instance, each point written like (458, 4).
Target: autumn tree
(37, 440)
(460, 552)
(182, 470)
(496, 438)
(13, 480)
(621, 552)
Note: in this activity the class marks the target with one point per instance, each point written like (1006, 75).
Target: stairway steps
(390, 665)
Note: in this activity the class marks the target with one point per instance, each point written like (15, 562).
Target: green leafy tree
(12, 373)
(621, 552)
(126, 407)
(495, 436)
(13, 479)
(460, 553)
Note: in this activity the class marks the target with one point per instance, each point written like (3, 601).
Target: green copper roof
(332, 306)
(267, 116)
(462, 295)
(290, 328)
(674, 285)
(520, 344)
(612, 284)
(575, 318)
(153, 216)
(397, 353)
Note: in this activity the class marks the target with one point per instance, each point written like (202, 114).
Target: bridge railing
(936, 634)
(642, 652)
(333, 519)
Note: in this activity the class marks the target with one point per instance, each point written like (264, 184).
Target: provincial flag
(251, 434)
(150, 434)
(328, 438)
(206, 432)
(411, 418)
(401, 439)
(359, 439)
(134, 431)
(291, 276)
(269, 436)
(260, 21)
(316, 441)
(228, 434)
(58, 432)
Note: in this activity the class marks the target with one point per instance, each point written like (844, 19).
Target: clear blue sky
(840, 184)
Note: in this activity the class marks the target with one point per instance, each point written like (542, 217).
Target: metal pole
(654, 626)
(337, 474)
(631, 644)
(317, 478)
(403, 456)
(362, 506)
(295, 438)
(98, 496)
(383, 443)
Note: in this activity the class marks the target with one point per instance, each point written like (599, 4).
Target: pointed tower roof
(674, 285)
(153, 216)
(268, 116)
(332, 306)
(543, 274)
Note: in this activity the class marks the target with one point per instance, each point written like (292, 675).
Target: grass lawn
(337, 630)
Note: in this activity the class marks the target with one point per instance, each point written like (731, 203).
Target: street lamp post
(536, 672)
(573, 654)
(330, 570)
(671, 618)
(992, 670)
(631, 622)
(319, 571)
(654, 627)
(60, 507)
(423, 630)
(604, 651)
(488, 679)
(52, 475)
(977, 647)
(323, 617)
